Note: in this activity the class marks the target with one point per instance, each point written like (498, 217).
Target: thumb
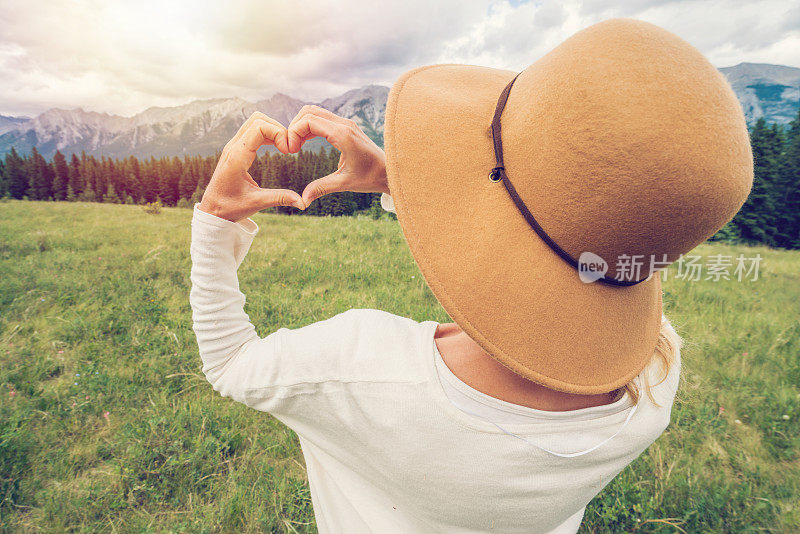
(268, 198)
(320, 187)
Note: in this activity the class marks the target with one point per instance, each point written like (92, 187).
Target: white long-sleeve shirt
(386, 449)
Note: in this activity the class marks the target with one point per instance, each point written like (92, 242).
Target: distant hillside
(203, 126)
(769, 91)
(10, 123)
(200, 127)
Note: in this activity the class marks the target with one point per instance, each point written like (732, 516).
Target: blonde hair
(667, 347)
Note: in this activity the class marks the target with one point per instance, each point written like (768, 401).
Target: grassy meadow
(107, 423)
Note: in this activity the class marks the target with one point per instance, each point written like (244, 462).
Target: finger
(321, 112)
(302, 141)
(281, 141)
(310, 109)
(260, 132)
(310, 126)
(250, 180)
(268, 198)
(320, 187)
(303, 111)
(245, 126)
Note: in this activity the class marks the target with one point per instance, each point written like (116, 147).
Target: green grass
(101, 291)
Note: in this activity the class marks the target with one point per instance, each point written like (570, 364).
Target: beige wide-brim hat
(624, 141)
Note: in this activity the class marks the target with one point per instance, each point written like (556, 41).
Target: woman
(526, 201)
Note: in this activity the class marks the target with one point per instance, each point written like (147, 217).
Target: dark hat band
(498, 173)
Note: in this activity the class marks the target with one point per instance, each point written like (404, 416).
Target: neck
(476, 368)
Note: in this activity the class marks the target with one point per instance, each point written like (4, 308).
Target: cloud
(727, 32)
(121, 57)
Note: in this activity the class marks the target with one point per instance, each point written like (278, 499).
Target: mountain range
(204, 126)
(199, 127)
(769, 91)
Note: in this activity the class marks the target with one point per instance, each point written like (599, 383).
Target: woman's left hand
(232, 193)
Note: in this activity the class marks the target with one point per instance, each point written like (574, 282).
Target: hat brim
(490, 271)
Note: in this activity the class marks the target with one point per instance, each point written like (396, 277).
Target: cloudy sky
(122, 57)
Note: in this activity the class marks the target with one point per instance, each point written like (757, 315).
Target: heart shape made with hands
(233, 194)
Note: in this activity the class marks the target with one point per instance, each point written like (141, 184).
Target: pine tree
(255, 167)
(71, 197)
(40, 177)
(89, 173)
(789, 201)
(348, 202)
(375, 209)
(75, 181)
(187, 184)
(132, 174)
(16, 181)
(283, 179)
(207, 170)
(88, 195)
(269, 176)
(149, 181)
(197, 196)
(134, 186)
(756, 219)
(101, 177)
(61, 176)
(111, 195)
(168, 173)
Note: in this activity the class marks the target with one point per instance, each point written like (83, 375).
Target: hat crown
(624, 141)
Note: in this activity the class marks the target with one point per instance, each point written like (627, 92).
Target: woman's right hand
(362, 164)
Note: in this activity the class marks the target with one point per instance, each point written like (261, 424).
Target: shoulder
(360, 344)
(375, 318)
(365, 324)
